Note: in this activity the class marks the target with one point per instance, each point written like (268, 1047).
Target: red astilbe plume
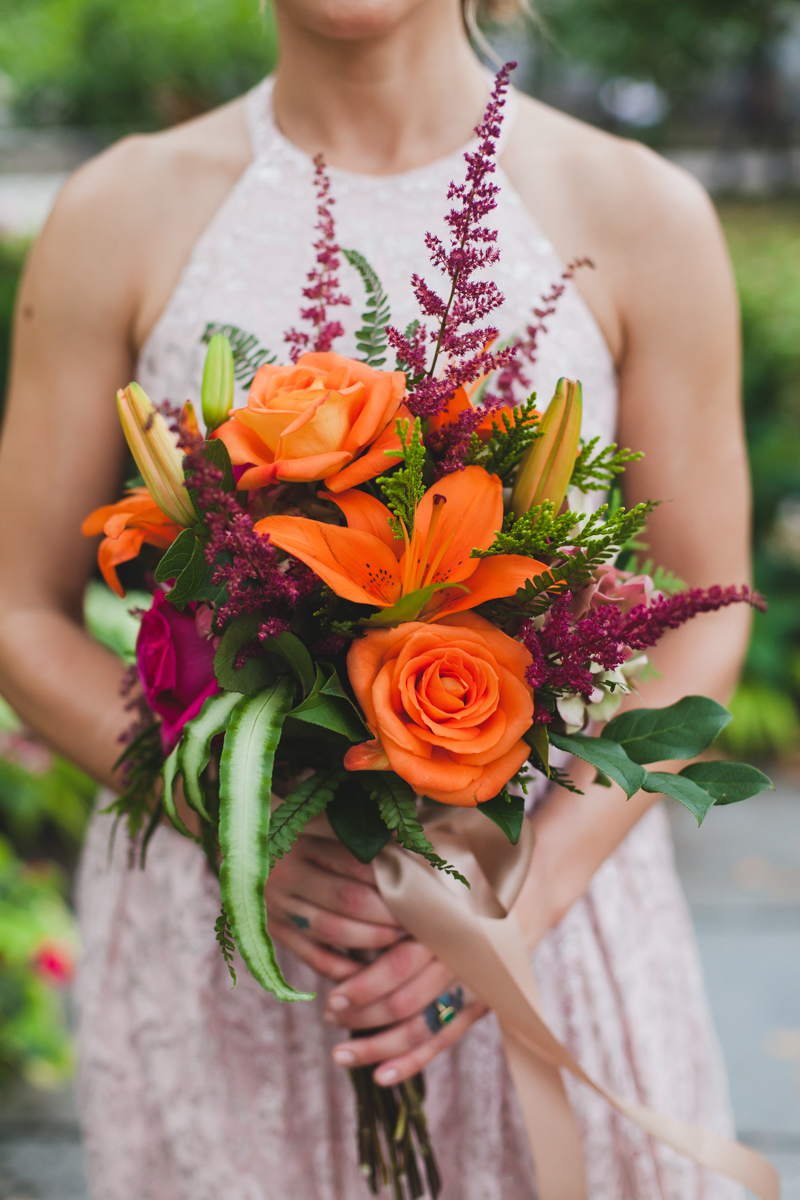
(323, 286)
(563, 649)
(458, 338)
(247, 565)
(512, 382)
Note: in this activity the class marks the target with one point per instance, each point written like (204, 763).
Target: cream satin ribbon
(477, 935)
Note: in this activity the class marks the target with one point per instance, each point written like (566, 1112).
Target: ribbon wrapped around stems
(477, 935)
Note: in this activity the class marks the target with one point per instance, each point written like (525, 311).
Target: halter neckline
(265, 136)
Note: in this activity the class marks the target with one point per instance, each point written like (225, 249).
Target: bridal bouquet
(383, 595)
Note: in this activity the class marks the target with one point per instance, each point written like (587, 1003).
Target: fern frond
(222, 931)
(306, 801)
(404, 488)
(371, 339)
(511, 436)
(596, 474)
(397, 804)
(248, 355)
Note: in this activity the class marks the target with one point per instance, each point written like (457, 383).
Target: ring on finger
(443, 1010)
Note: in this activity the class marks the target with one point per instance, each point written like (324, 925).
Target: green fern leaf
(371, 340)
(245, 787)
(397, 804)
(227, 945)
(195, 746)
(306, 801)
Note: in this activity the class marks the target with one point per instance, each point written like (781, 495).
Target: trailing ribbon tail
(479, 938)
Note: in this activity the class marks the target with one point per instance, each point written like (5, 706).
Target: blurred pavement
(741, 872)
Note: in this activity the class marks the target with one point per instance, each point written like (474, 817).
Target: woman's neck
(380, 104)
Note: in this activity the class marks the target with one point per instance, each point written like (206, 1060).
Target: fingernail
(345, 1058)
(338, 1003)
(384, 1078)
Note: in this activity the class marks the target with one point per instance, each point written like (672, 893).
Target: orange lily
(127, 525)
(367, 564)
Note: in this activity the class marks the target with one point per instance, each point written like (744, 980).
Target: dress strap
(258, 113)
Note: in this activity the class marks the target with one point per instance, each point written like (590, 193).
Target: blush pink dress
(193, 1091)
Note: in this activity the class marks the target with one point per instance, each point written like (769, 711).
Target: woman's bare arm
(94, 283)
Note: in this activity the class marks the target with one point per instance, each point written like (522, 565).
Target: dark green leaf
(292, 650)
(257, 673)
(331, 711)
(680, 788)
(397, 803)
(539, 742)
(608, 757)
(216, 452)
(728, 782)
(507, 812)
(682, 730)
(306, 801)
(371, 340)
(195, 746)
(245, 788)
(357, 822)
(177, 557)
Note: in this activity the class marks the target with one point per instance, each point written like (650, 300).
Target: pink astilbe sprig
(323, 282)
(245, 562)
(512, 382)
(564, 648)
(458, 339)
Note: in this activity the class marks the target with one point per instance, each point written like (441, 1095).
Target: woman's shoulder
(135, 211)
(614, 185)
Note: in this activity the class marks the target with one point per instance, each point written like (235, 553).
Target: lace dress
(193, 1091)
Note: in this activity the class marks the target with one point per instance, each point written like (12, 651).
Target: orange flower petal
(369, 756)
(373, 463)
(469, 520)
(311, 466)
(378, 413)
(491, 779)
(494, 577)
(243, 444)
(357, 565)
(257, 477)
(114, 551)
(363, 511)
(429, 776)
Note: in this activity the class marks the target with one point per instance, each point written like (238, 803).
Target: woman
(190, 1089)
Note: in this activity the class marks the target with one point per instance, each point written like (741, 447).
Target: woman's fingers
(406, 1048)
(321, 925)
(319, 872)
(405, 1001)
(391, 970)
(322, 960)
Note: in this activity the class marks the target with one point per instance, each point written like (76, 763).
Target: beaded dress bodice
(250, 264)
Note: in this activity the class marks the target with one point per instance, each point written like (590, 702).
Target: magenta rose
(176, 665)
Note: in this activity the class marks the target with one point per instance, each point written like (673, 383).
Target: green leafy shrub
(139, 64)
(38, 944)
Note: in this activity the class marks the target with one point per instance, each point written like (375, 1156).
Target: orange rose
(313, 420)
(448, 704)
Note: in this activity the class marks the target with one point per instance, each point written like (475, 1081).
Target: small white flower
(572, 710)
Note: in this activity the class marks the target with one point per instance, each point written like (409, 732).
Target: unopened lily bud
(546, 468)
(158, 458)
(217, 391)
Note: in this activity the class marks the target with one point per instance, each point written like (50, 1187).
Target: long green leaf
(608, 757)
(195, 745)
(331, 709)
(168, 774)
(728, 782)
(371, 340)
(682, 730)
(696, 799)
(244, 815)
(306, 801)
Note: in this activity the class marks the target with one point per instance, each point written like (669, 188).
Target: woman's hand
(320, 900)
(395, 991)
